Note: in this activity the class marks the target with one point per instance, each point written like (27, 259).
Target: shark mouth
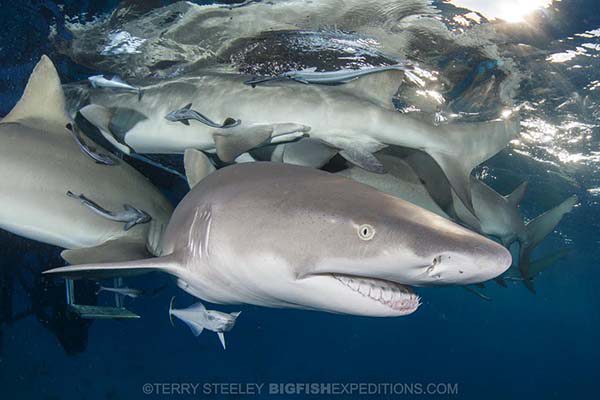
(393, 295)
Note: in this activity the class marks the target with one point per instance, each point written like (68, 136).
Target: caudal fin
(168, 264)
(535, 231)
(466, 145)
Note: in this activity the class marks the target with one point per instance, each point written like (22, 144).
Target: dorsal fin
(43, 98)
(378, 87)
(517, 195)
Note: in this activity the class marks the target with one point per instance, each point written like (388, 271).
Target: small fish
(186, 113)
(100, 158)
(130, 215)
(310, 75)
(114, 82)
(123, 291)
(198, 318)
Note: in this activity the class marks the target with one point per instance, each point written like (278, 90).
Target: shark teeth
(390, 294)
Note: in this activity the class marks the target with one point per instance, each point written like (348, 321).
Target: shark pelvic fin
(100, 117)
(232, 142)
(197, 166)
(43, 98)
(116, 250)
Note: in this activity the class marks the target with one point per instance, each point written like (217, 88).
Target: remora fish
(130, 215)
(186, 113)
(242, 235)
(198, 318)
(356, 119)
(114, 82)
(311, 75)
(40, 162)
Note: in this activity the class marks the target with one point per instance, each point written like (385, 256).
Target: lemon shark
(40, 162)
(357, 119)
(287, 236)
(416, 178)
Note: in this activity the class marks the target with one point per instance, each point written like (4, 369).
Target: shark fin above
(100, 117)
(116, 250)
(43, 98)
(221, 336)
(517, 195)
(197, 166)
(378, 87)
(168, 264)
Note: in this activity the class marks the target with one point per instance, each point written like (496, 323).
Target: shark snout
(479, 263)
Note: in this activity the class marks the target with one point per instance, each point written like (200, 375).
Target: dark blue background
(517, 346)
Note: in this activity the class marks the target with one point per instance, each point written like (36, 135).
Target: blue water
(519, 345)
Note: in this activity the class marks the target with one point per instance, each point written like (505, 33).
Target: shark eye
(366, 232)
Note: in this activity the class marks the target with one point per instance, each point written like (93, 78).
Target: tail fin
(535, 231)
(168, 264)
(468, 145)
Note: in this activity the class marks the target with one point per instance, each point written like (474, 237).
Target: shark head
(285, 236)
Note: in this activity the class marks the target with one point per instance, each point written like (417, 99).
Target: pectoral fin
(117, 250)
(458, 174)
(221, 336)
(185, 122)
(197, 166)
(359, 153)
